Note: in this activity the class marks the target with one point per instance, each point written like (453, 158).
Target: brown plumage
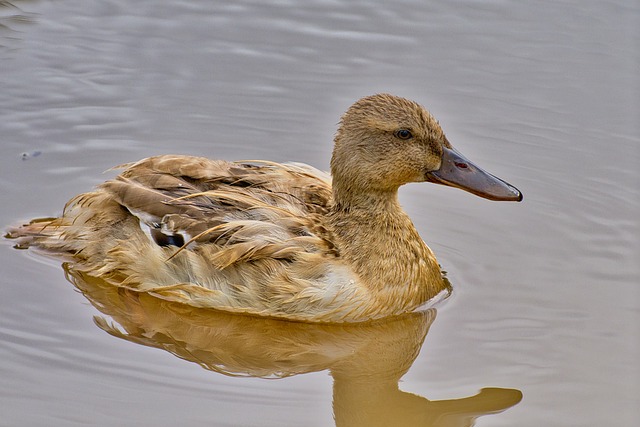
(278, 240)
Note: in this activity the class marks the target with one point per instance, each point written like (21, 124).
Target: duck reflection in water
(366, 360)
(281, 241)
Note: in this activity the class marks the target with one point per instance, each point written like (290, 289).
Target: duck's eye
(403, 134)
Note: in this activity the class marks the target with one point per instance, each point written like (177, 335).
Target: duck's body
(271, 239)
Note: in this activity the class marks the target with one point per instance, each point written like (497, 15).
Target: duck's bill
(457, 171)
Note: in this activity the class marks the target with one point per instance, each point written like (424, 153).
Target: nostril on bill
(461, 165)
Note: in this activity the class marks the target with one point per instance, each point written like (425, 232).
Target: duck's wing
(183, 200)
(197, 200)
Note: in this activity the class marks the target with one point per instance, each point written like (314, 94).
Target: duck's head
(385, 141)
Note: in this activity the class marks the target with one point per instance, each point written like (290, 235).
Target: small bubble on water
(28, 155)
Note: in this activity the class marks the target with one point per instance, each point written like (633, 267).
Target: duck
(277, 240)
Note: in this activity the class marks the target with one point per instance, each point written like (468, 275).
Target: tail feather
(42, 233)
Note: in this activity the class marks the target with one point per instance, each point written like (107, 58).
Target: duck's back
(211, 201)
(239, 236)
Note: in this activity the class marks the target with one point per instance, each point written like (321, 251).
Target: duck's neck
(377, 238)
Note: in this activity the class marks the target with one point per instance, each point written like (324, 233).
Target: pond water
(546, 300)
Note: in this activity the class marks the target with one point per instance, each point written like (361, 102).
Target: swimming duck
(278, 240)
